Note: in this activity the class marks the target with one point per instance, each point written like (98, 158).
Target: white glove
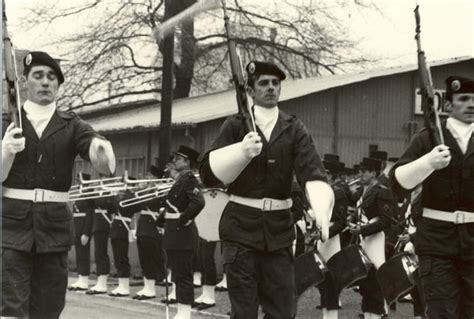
(84, 239)
(251, 145)
(10, 143)
(409, 247)
(414, 173)
(102, 156)
(132, 235)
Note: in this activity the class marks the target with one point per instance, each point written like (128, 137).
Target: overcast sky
(447, 28)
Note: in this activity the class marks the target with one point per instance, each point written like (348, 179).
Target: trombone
(90, 189)
(159, 190)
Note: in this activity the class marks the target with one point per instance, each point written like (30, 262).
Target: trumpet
(354, 181)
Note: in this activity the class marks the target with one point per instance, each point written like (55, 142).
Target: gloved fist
(10, 143)
(102, 156)
(84, 239)
(439, 157)
(251, 145)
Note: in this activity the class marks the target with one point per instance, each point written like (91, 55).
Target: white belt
(36, 195)
(264, 204)
(172, 215)
(79, 215)
(456, 217)
(103, 212)
(149, 213)
(123, 219)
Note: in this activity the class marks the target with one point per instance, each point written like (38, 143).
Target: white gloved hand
(251, 145)
(10, 143)
(102, 156)
(409, 247)
(439, 157)
(84, 239)
(132, 235)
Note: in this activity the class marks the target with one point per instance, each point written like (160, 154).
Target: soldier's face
(266, 90)
(366, 176)
(180, 163)
(42, 85)
(463, 107)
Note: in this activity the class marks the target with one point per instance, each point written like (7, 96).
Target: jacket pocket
(15, 209)
(58, 212)
(229, 254)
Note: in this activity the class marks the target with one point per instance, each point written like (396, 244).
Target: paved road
(80, 305)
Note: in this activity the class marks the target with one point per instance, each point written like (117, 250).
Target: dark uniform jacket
(45, 163)
(118, 229)
(147, 225)
(377, 201)
(448, 189)
(187, 198)
(289, 151)
(83, 225)
(102, 223)
(339, 212)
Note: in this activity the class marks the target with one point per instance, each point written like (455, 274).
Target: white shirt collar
(460, 131)
(35, 110)
(265, 114)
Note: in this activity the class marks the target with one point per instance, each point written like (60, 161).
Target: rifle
(238, 77)
(13, 92)
(430, 112)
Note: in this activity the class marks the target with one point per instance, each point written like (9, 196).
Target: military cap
(371, 164)
(393, 159)
(331, 157)
(380, 155)
(458, 84)
(257, 67)
(35, 58)
(332, 166)
(188, 152)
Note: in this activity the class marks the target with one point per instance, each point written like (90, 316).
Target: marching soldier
(37, 164)
(83, 211)
(374, 206)
(150, 244)
(183, 204)
(329, 295)
(102, 220)
(444, 238)
(256, 226)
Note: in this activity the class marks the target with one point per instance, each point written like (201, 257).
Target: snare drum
(348, 266)
(310, 270)
(207, 221)
(396, 276)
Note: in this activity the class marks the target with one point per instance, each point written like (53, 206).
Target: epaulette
(67, 115)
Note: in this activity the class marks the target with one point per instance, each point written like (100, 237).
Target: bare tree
(114, 57)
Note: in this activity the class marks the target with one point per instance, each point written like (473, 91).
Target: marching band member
(444, 239)
(375, 204)
(256, 226)
(183, 204)
(329, 296)
(150, 244)
(37, 164)
(83, 211)
(100, 232)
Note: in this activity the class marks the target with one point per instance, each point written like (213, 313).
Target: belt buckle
(38, 195)
(459, 217)
(267, 204)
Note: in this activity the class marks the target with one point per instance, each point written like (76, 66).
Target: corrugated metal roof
(218, 105)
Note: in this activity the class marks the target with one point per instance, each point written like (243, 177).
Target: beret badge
(28, 59)
(251, 68)
(456, 85)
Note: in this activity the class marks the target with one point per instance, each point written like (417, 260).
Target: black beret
(380, 155)
(331, 157)
(34, 58)
(257, 67)
(458, 84)
(188, 152)
(371, 164)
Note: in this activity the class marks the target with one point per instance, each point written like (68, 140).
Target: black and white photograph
(242, 159)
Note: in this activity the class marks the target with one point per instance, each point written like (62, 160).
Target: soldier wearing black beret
(257, 227)
(37, 164)
(184, 202)
(444, 239)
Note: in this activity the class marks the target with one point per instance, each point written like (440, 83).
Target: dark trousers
(372, 298)
(102, 261)
(181, 264)
(448, 287)
(328, 292)
(417, 297)
(152, 257)
(209, 271)
(260, 277)
(83, 256)
(33, 284)
(120, 251)
(300, 247)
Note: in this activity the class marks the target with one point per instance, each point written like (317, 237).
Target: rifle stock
(431, 115)
(238, 77)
